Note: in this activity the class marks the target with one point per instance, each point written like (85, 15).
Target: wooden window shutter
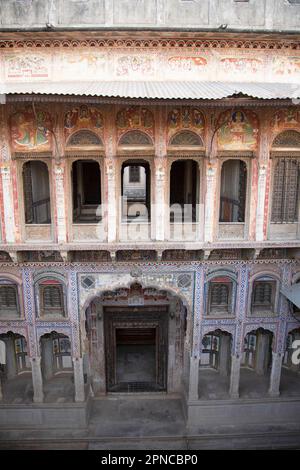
(285, 191)
(219, 295)
(262, 293)
(52, 297)
(8, 298)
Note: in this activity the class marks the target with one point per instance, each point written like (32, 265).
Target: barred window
(134, 174)
(286, 191)
(263, 295)
(8, 300)
(52, 299)
(219, 297)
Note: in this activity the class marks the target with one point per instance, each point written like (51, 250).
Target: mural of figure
(31, 130)
(238, 132)
(186, 117)
(135, 117)
(174, 118)
(198, 118)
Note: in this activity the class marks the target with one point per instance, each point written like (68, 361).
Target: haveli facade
(84, 274)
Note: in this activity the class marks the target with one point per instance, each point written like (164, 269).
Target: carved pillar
(275, 374)
(112, 208)
(261, 195)
(8, 204)
(37, 380)
(235, 376)
(60, 202)
(160, 204)
(263, 175)
(210, 202)
(78, 379)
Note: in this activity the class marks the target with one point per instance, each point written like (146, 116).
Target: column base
(273, 394)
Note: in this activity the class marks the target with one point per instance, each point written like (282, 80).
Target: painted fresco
(27, 66)
(135, 65)
(286, 119)
(83, 117)
(31, 130)
(82, 64)
(239, 131)
(135, 117)
(185, 117)
(241, 65)
(286, 66)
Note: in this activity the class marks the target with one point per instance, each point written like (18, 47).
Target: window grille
(219, 297)
(285, 191)
(263, 295)
(52, 300)
(134, 174)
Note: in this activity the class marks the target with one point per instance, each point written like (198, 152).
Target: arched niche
(84, 138)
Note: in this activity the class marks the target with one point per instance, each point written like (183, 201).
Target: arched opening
(15, 369)
(184, 197)
(233, 191)
(215, 364)
(57, 367)
(290, 372)
(86, 190)
(136, 191)
(256, 364)
(36, 193)
(135, 341)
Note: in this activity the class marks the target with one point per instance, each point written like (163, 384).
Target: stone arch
(142, 304)
(84, 138)
(136, 138)
(186, 138)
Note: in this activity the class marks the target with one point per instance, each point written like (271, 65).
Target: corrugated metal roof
(292, 293)
(153, 90)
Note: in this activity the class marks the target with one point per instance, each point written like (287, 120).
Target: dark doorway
(135, 190)
(86, 182)
(136, 349)
(135, 355)
(184, 190)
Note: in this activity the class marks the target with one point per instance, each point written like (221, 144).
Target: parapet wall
(262, 15)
